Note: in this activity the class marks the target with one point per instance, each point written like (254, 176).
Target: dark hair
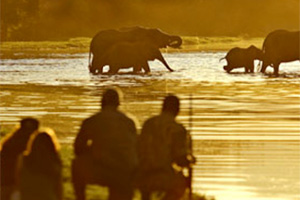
(43, 155)
(43, 142)
(171, 104)
(110, 97)
(30, 124)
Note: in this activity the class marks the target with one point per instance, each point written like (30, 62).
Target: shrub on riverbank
(37, 49)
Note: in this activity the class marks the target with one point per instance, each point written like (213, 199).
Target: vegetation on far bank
(16, 49)
(39, 20)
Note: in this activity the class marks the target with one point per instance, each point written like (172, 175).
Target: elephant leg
(113, 69)
(136, 69)
(146, 67)
(96, 66)
(100, 70)
(263, 68)
(276, 69)
(251, 68)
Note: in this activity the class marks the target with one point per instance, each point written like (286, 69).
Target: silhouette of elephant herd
(135, 46)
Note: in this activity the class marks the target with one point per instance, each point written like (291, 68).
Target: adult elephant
(280, 46)
(242, 57)
(104, 40)
(126, 55)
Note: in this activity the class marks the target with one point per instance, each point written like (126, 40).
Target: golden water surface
(246, 128)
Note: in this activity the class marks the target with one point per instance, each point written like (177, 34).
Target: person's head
(171, 105)
(29, 124)
(43, 142)
(110, 98)
(42, 153)
(27, 127)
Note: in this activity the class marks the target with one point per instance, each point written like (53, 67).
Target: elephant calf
(241, 57)
(126, 55)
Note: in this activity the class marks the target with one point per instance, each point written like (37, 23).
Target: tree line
(62, 19)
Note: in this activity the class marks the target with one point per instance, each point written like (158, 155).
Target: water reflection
(246, 127)
(72, 70)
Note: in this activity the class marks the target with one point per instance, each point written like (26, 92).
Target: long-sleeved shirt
(162, 143)
(111, 137)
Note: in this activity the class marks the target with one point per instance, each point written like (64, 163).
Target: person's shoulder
(123, 115)
(10, 140)
(92, 118)
(179, 126)
(133, 119)
(151, 120)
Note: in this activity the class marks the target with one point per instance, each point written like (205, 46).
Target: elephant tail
(89, 59)
(264, 45)
(259, 65)
(222, 59)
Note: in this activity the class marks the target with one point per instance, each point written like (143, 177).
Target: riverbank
(52, 49)
(94, 192)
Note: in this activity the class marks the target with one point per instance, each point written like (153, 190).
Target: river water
(245, 127)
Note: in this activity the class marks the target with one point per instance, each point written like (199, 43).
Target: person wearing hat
(105, 150)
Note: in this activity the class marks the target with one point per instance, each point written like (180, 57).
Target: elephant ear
(157, 38)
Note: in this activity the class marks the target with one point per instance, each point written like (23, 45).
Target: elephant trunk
(161, 59)
(227, 68)
(175, 42)
(92, 70)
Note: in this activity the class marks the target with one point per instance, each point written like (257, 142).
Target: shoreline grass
(34, 49)
(92, 191)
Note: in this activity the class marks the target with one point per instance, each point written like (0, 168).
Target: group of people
(31, 168)
(108, 151)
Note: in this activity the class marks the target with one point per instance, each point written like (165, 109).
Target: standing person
(161, 145)
(12, 147)
(41, 169)
(105, 150)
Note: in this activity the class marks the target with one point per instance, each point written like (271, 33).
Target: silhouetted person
(163, 143)
(105, 150)
(41, 169)
(12, 147)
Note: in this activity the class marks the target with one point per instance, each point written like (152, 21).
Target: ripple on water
(188, 66)
(245, 126)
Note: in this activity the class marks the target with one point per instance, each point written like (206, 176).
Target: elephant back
(104, 40)
(281, 46)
